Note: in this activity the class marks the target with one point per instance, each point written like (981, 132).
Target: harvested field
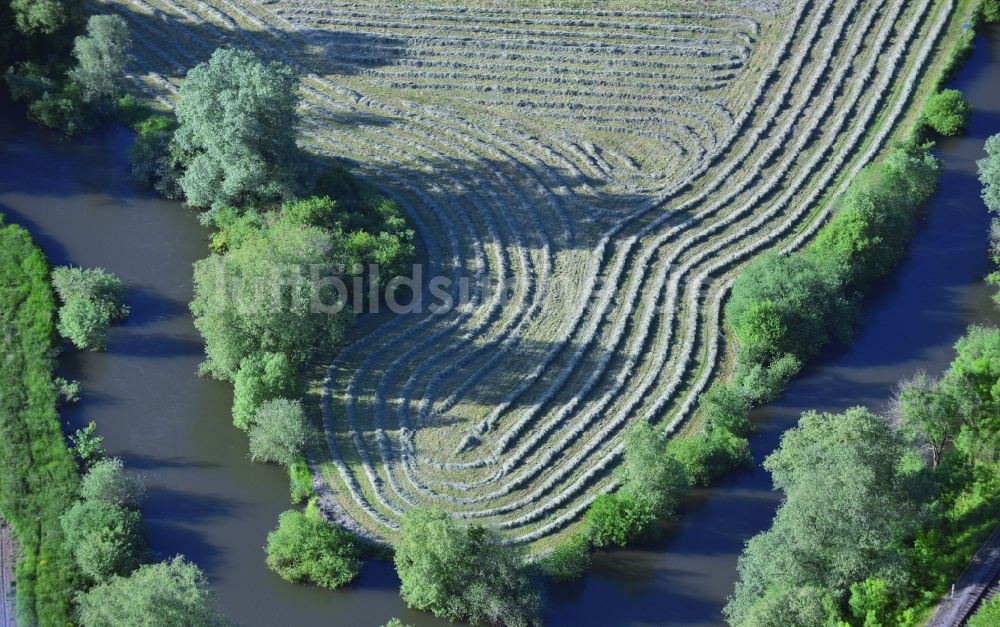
(612, 164)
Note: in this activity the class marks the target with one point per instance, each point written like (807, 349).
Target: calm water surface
(207, 501)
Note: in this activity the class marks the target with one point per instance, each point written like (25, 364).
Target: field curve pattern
(611, 166)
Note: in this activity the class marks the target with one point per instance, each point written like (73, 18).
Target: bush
(648, 476)
(300, 480)
(989, 11)
(947, 112)
(280, 432)
(104, 538)
(92, 300)
(262, 377)
(147, 155)
(617, 520)
(462, 572)
(989, 174)
(568, 561)
(305, 548)
(108, 481)
(168, 593)
(725, 407)
(711, 455)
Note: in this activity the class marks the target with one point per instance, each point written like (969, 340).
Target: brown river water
(207, 501)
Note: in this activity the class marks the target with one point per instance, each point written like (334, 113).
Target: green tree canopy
(306, 548)
(105, 539)
(848, 506)
(108, 481)
(262, 376)
(270, 295)
(236, 138)
(167, 593)
(92, 300)
(989, 173)
(462, 572)
(102, 56)
(947, 112)
(280, 432)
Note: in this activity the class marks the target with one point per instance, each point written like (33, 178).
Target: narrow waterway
(207, 501)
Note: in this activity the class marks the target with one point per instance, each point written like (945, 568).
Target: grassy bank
(39, 478)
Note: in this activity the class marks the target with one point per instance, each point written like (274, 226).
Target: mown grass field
(615, 164)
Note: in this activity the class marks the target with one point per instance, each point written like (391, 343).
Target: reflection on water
(207, 501)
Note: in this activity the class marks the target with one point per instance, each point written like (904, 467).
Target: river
(207, 501)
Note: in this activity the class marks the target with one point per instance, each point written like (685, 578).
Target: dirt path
(6, 576)
(971, 586)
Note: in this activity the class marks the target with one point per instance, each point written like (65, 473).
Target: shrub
(108, 481)
(168, 593)
(300, 479)
(305, 548)
(989, 11)
(725, 407)
(569, 560)
(92, 300)
(989, 173)
(653, 480)
(262, 376)
(617, 520)
(147, 155)
(280, 432)
(68, 391)
(947, 112)
(462, 572)
(104, 538)
(87, 445)
(711, 455)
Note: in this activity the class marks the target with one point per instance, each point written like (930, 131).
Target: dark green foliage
(568, 561)
(262, 377)
(300, 480)
(45, 17)
(105, 539)
(101, 58)
(38, 479)
(236, 134)
(147, 155)
(989, 11)
(616, 520)
(462, 572)
(947, 112)
(92, 301)
(711, 455)
(167, 593)
(280, 432)
(305, 548)
(848, 507)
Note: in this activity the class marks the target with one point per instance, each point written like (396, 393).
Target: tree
(462, 572)
(92, 300)
(45, 17)
(929, 415)
(306, 548)
(262, 376)
(726, 407)
(236, 137)
(710, 455)
(616, 520)
(167, 593)
(947, 112)
(108, 481)
(280, 432)
(105, 539)
(848, 506)
(270, 294)
(102, 56)
(648, 475)
(989, 173)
